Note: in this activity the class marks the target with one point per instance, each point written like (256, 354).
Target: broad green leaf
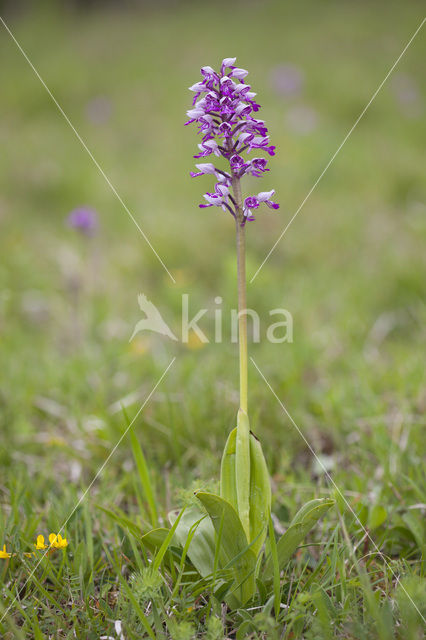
(153, 539)
(415, 526)
(228, 485)
(377, 516)
(302, 523)
(242, 470)
(234, 550)
(201, 549)
(260, 488)
(308, 509)
(190, 533)
(260, 495)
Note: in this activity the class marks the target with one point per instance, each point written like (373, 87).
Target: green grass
(350, 270)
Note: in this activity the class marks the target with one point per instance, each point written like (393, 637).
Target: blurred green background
(350, 269)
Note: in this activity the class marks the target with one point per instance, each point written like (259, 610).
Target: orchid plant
(225, 536)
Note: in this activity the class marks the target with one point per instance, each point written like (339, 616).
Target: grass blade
(275, 568)
(144, 476)
(160, 555)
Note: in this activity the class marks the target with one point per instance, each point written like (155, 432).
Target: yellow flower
(194, 341)
(140, 345)
(57, 541)
(4, 553)
(40, 543)
(180, 276)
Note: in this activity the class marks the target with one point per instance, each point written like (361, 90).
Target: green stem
(242, 452)
(242, 294)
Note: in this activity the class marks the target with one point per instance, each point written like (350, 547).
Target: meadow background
(350, 269)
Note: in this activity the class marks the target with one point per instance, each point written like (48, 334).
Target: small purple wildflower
(84, 220)
(223, 109)
(287, 80)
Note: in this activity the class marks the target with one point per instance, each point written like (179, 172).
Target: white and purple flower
(253, 202)
(223, 109)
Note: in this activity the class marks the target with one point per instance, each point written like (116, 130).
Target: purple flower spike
(84, 220)
(223, 109)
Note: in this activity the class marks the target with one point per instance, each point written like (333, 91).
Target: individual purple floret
(83, 219)
(223, 109)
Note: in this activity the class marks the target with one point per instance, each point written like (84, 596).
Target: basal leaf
(153, 539)
(242, 470)
(234, 549)
(415, 525)
(308, 509)
(228, 485)
(260, 488)
(260, 495)
(202, 546)
(377, 516)
(302, 523)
